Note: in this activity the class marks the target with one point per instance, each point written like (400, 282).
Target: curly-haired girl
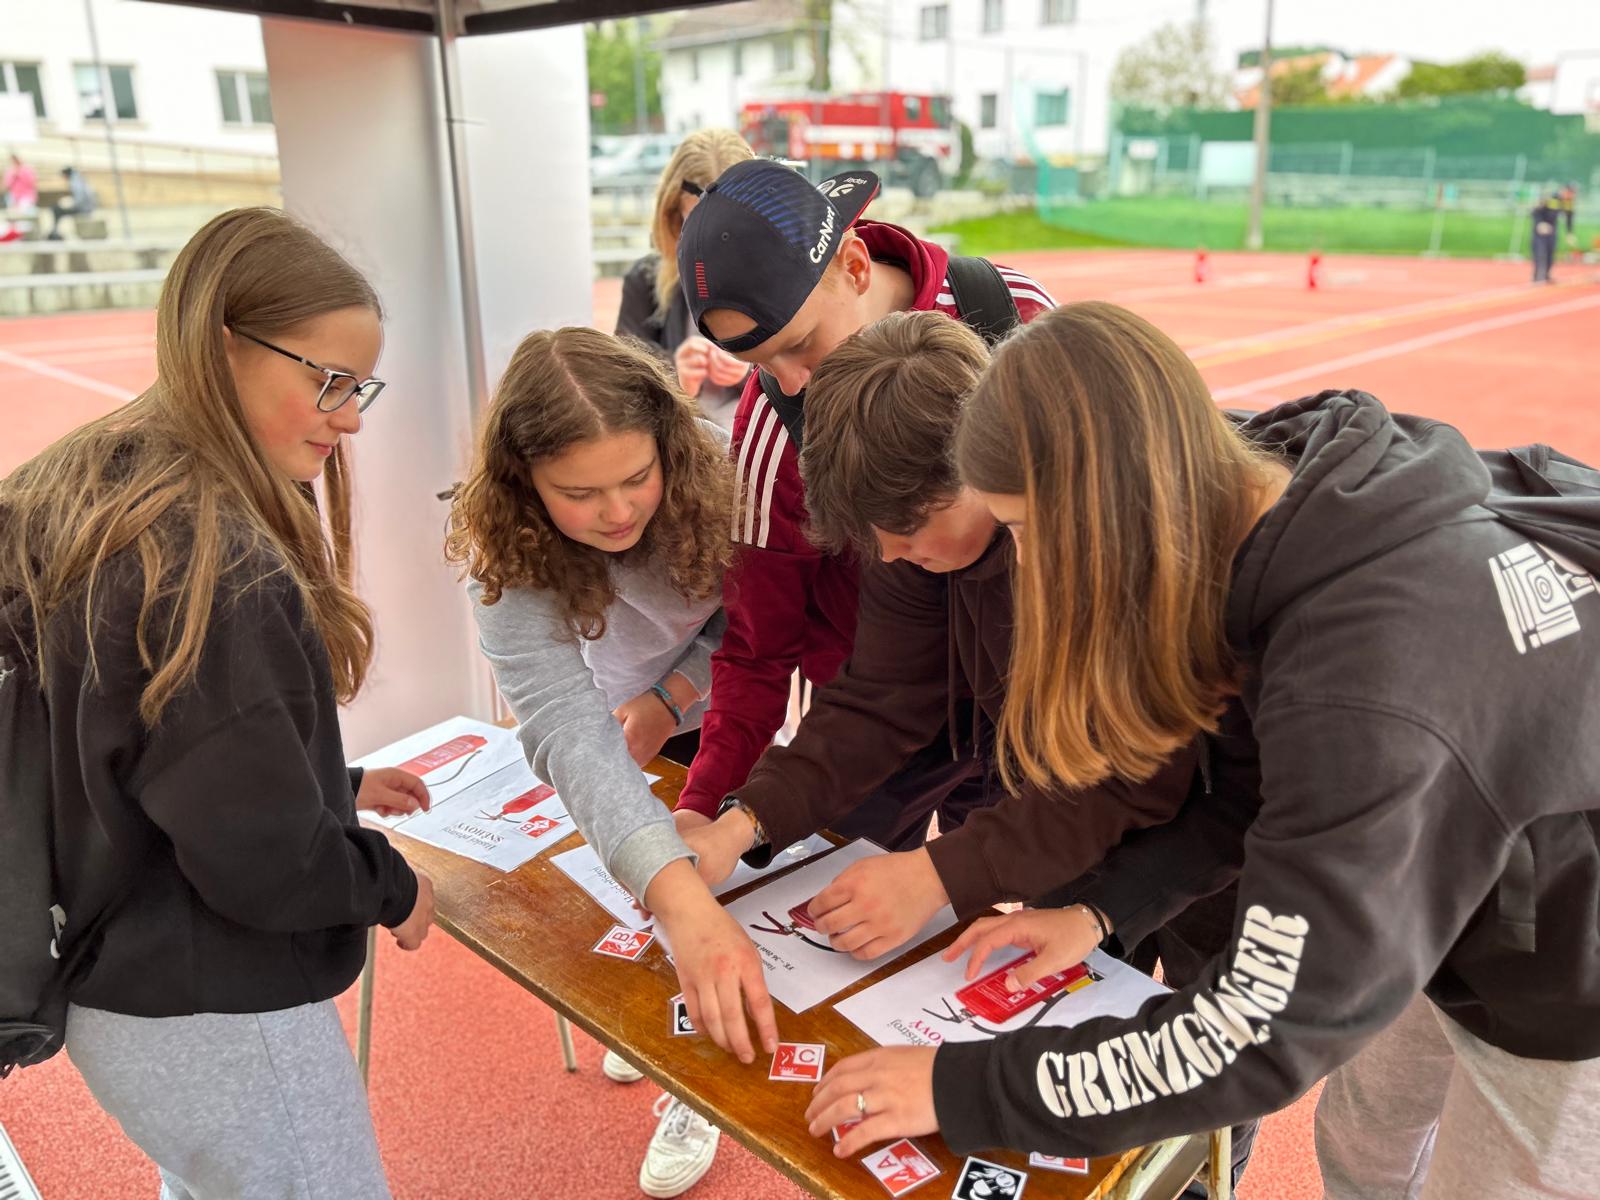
(595, 528)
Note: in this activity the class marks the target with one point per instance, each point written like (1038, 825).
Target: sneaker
(614, 1067)
(681, 1151)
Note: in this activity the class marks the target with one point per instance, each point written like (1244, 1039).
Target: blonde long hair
(174, 483)
(1137, 493)
(561, 388)
(699, 159)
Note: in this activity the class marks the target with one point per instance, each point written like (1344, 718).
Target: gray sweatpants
(1426, 1111)
(256, 1106)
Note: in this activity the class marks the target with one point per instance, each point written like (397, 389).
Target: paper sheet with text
(802, 968)
(584, 868)
(485, 803)
(918, 1006)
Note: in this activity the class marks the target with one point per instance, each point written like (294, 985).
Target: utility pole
(106, 101)
(1263, 138)
(640, 108)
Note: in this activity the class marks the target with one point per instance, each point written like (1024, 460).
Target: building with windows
(167, 75)
(714, 60)
(1032, 78)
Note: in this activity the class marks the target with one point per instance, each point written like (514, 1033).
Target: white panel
(359, 134)
(525, 101)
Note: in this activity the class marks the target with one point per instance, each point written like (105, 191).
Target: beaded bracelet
(672, 705)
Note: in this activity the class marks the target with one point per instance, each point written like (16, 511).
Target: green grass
(1150, 221)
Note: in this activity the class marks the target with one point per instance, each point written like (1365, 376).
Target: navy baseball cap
(760, 239)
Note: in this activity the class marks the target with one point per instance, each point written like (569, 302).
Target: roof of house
(729, 22)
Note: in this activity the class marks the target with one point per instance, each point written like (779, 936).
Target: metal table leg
(568, 1054)
(364, 1009)
(1219, 1171)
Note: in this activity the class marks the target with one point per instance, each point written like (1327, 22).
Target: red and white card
(1054, 1162)
(622, 942)
(538, 827)
(844, 1127)
(900, 1167)
(800, 1062)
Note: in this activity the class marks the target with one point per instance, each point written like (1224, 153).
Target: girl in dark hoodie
(194, 631)
(1382, 635)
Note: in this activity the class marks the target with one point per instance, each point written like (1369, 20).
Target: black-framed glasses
(337, 386)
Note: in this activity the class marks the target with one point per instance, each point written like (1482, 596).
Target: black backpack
(44, 942)
(982, 299)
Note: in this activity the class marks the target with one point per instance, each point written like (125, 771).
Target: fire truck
(906, 138)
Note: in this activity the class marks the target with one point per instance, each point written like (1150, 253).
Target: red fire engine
(906, 138)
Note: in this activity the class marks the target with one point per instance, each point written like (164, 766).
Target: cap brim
(850, 193)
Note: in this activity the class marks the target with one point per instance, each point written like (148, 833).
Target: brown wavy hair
(881, 416)
(1137, 492)
(573, 385)
(174, 485)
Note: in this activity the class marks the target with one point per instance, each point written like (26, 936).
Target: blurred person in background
(654, 309)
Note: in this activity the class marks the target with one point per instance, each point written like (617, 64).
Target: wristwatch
(731, 802)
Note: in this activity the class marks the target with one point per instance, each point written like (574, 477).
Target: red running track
(468, 1094)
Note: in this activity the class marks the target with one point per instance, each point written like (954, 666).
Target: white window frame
(784, 55)
(241, 93)
(933, 23)
(8, 72)
(988, 110)
(994, 16)
(108, 94)
(1065, 95)
(1058, 12)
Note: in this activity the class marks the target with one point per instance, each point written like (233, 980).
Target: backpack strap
(982, 297)
(790, 409)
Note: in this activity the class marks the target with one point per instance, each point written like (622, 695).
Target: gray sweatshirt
(562, 689)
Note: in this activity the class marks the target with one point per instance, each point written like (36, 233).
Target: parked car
(633, 161)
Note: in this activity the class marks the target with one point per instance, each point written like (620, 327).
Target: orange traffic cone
(1201, 269)
(1314, 271)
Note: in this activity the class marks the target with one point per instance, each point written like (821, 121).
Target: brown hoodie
(924, 643)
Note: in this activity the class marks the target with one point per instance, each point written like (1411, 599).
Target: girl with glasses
(185, 603)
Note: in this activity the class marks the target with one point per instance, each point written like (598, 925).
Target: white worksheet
(448, 757)
(584, 868)
(503, 820)
(484, 801)
(798, 853)
(802, 969)
(918, 1006)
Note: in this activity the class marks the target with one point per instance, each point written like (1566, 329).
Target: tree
(1301, 85)
(1172, 68)
(613, 72)
(1488, 72)
(819, 30)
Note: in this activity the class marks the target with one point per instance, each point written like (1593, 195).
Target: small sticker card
(682, 1026)
(900, 1167)
(539, 826)
(1054, 1162)
(798, 1061)
(982, 1180)
(845, 1127)
(622, 942)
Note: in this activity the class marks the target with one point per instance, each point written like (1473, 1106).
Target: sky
(1434, 30)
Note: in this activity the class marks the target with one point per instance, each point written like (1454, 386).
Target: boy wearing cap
(778, 272)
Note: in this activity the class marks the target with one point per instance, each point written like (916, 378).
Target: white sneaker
(614, 1067)
(680, 1152)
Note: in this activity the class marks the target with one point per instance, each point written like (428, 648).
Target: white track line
(72, 377)
(1357, 318)
(1255, 386)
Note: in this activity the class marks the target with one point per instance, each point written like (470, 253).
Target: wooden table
(538, 927)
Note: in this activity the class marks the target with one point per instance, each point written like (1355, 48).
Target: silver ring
(861, 1104)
